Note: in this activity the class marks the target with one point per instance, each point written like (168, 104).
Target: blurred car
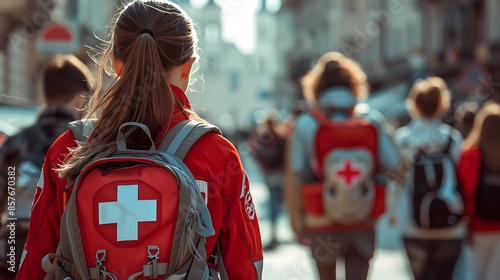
(14, 118)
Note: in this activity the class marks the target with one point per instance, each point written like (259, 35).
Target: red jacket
(468, 174)
(212, 159)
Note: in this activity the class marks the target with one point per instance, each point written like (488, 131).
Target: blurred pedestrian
(152, 50)
(464, 116)
(268, 146)
(334, 221)
(66, 86)
(298, 108)
(429, 205)
(479, 175)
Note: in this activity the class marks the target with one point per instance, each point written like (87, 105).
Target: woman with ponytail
(433, 251)
(152, 49)
(479, 176)
(333, 88)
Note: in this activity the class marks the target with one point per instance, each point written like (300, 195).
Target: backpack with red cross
(346, 160)
(136, 214)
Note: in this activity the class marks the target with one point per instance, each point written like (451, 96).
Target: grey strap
(47, 265)
(101, 275)
(60, 265)
(197, 268)
(82, 128)
(171, 135)
(147, 271)
(222, 268)
(121, 140)
(183, 136)
(176, 143)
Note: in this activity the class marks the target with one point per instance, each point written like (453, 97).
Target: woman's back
(152, 51)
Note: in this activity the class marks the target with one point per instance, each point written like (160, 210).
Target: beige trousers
(486, 255)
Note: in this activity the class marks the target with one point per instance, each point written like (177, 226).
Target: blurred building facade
(462, 43)
(26, 41)
(379, 34)
(275, 40)
(229, 86)
(398, 41)
(395, 41)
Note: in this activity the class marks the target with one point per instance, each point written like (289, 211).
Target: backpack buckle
(100, 256)
(153, 256)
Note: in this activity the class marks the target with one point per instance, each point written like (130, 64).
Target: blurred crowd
(335, 163)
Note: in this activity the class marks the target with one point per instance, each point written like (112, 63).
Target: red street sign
(57, 32)
(57, 37)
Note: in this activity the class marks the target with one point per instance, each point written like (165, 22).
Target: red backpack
(346, 156)
(136, 214)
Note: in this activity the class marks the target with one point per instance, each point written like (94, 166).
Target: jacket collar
(178, 115)
(181, 96)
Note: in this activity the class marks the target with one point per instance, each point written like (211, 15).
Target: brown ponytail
(150, 38)
(486, 136)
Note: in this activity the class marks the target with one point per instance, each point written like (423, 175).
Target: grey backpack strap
(182, 137)
(196, 268)
(82, 128)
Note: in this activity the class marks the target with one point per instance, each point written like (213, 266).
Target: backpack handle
(121, 143)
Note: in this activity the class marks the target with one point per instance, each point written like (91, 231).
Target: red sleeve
(214, 160)
(239, 237)
(468, 175)
(43, 235)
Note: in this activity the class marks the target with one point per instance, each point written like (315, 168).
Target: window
(262, 65)
(212, 33)
(234, 81)
(72, 9)
(350, 5)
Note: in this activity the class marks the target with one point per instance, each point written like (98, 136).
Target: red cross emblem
(348, 173)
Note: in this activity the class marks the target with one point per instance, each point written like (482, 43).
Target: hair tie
(147, 30)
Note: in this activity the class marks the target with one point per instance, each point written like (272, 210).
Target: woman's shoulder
(402, 133)
(64, 142)
(213, 147)
(59, 150)
(471, 153)
(304, 119)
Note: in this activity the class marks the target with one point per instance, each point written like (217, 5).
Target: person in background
(479, 175)
(464, 117)
(298, 108)
(66, 86)
(433, 250)
(334, 86)
(151, 54)
(268, 146)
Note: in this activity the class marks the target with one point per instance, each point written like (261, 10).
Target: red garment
(212, 159)
(468, 174)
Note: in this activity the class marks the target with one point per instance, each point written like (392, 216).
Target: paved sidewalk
(291, 261)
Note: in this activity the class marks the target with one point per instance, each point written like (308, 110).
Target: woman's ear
(117, 66)
(186, 68)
